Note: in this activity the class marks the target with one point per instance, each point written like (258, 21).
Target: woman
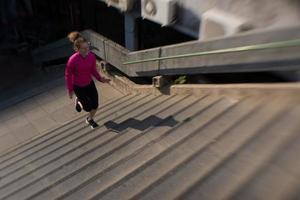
(79, 71)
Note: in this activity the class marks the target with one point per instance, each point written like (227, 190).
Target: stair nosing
(145, 146)
(45, 134)
(30, 154)
(52, 172)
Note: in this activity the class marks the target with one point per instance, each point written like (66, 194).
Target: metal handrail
(272, 45)
(124, 59)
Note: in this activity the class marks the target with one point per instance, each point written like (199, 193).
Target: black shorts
(88, 96)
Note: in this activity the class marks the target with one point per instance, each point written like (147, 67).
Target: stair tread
(162, 147)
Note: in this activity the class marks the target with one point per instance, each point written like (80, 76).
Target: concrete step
(176, 155)
(20, 150)
(59, 137)
(279, 178)
(55, 160)
(118, 171)
(202, 163)
(43, 157)
(128, 137)
(145, 104)
(260, 176)
(164, 147)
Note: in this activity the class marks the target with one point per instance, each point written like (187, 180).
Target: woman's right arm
(69, 72)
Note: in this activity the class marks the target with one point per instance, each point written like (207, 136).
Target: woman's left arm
(96, 74)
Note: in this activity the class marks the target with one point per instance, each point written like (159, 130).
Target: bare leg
(92, 114)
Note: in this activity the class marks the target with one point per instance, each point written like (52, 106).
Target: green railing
(144, 63)
(273, 45)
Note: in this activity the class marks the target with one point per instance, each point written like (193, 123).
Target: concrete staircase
(164, 147)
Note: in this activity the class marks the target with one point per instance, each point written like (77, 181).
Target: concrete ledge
(181, 59)
(126, 86)
(122, 83)
(238, 90)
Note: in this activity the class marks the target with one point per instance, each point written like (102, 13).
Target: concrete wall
(262, 14)
(265, 13)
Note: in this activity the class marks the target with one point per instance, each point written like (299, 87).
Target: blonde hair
(77, 39)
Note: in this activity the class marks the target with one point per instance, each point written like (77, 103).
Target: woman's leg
(88, 97)
(94, 100)
(92, 114)
(78, 105)
(82, 100)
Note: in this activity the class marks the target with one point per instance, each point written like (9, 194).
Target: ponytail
(76, 38)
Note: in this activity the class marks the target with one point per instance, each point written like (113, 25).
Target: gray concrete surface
(41, 113)
(165, 147)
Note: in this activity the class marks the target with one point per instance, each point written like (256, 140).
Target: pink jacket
(79, 70)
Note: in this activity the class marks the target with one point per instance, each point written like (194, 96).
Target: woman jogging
(80, 68)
